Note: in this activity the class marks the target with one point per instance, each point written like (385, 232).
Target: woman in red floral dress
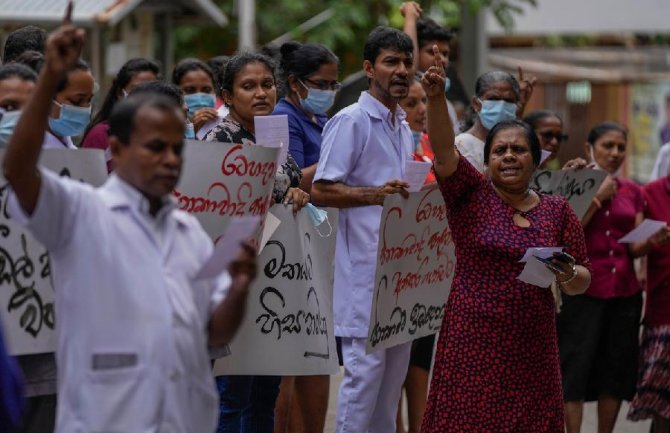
(497, 365)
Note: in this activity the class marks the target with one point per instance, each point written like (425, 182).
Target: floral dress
(230, 131)
(497, 364)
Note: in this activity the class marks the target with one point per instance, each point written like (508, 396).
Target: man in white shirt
(133, 324)
(365, 147)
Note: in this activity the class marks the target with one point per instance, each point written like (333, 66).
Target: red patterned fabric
(652, 397)
(497, 365)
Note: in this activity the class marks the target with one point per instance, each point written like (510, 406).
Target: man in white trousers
(365, 147)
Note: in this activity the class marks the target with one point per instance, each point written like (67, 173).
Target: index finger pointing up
(67, 19)
(439, 60)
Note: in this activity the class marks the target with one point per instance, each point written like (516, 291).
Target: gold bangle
(597, 202)
(572, 277)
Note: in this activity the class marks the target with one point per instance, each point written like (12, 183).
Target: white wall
(590, 16)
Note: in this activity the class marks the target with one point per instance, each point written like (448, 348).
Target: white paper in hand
(415, 174)
(644, 231)
(535, 272)
(272, 131)
(228, 247)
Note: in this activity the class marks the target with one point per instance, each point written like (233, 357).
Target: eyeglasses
(548, 135)
(325, 85)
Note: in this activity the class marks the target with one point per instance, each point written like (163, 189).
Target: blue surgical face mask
(318, 217)
(494, 112)
(7, 124)
(416, 135)
(318, 101)
(447, 84)
(72, 120)
(198, 101)
(189, 132)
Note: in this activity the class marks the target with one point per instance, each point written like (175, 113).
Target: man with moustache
(134, 323)
(365, 147)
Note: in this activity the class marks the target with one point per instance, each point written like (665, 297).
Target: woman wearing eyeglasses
(310, 77)
(549, 130)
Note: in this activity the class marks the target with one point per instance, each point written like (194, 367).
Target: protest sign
(222, 180)
(26, 293)
(577, 186)
(288, 326)
(415, 267)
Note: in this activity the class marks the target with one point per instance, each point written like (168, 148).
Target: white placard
(288, 326)
(416, 262)
(26, 292)
(223, 180)
(577, 186)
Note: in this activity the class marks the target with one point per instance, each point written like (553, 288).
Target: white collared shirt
(361, 147)
(131, 319)
(53, 142)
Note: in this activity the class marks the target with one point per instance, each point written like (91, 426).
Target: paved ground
(590, 423)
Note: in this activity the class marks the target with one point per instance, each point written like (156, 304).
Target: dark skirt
(598, 340)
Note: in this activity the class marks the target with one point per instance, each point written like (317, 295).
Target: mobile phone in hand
(564, 257)
(549, 264)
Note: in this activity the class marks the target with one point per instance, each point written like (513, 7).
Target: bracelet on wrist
(597, 203)
(572, 277)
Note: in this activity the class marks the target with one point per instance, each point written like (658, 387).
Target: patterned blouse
(230, 131)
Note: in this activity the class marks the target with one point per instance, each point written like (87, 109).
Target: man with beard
(365, 147)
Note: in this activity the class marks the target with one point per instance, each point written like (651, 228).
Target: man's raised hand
(63, 47)
(434, 78)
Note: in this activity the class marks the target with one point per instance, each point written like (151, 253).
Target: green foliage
(344, 33)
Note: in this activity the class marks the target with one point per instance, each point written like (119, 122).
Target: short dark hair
(428, 30)
(535, 117)
(122, 119)
(533, 141)
(17, 70)
(302, 60)
(32, 59)
(238, 62)
(28, 38)
(191, 64)
(383, 38)
(603, 128)
(217, 65)
(80, 65)
(488, 79)
(168, 90)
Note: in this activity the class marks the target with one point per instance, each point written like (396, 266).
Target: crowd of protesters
(510, 357)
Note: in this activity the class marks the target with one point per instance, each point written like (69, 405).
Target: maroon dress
(497, 364)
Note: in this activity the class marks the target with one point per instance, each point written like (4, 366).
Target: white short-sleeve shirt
(131, 319)
(361, 147)
(472, 149)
